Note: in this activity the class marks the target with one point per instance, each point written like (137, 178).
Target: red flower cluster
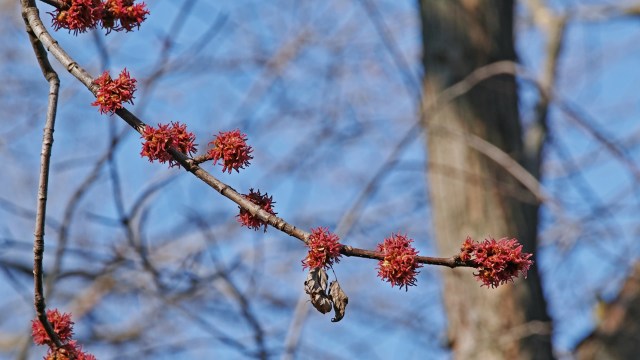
(264, 201)
(157, 141)
(112, 93)
(70, 351)
(124, 12)
(498, 261)
(399, 265)
(63, 326)
(61, 323)
(324, 249)
(82, 15)
(231, 147)
(79, 16)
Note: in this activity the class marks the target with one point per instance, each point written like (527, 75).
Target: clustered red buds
(112, 93)
(399, 266)
(123, 15)
(81, 15)
(264, 201)
(63, 327)
(231, 147)
(61, 323)
(324, 249)
(70, 351)
(157, 141)
(498, 262)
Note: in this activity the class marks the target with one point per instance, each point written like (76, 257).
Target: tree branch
(451, 262)
(192, 166)
(59, 4)
(43, 182)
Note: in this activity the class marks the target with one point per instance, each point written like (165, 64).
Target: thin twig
(43, 182)
(451, 262)
(59, 4)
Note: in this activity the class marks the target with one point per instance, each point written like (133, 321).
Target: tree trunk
(472, 195)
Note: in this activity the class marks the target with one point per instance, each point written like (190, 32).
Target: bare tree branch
(45, 159)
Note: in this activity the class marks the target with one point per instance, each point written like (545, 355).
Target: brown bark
(470, 194)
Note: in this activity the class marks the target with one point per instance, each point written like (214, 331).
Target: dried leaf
(316, 287)
(316, 281)
(321, 303)
(339, 300)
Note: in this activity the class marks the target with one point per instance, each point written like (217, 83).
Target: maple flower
(324, 249)
(123, 15)
(231, 147)
(63, 326)
(112, 93)
(264, 201)
(157, 141)
(399, 264)
(69, 351)
(61, 323)
(498, 262)
(78, 15)
(467, 249)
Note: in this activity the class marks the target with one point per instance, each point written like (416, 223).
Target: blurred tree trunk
(472, 195)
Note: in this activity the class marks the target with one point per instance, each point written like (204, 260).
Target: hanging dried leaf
(339, 300)
(316, 281)
(316, 287)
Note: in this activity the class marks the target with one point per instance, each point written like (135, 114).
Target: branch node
(71, 66)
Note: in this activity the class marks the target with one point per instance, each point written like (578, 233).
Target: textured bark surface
(617, 335)
(471, 195)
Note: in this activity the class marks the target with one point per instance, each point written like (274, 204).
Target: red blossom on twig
(324, 249)
(399, 266)
(231, 147)
(123, 15)
(264, 201)
(78, 16)
(70, 351)
(498, 262)
(82, 15)
(63, 326)
(157, 141)
(61, 323)
(112, 93)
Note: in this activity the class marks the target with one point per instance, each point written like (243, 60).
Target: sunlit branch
(60, 4)
(451, 262)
